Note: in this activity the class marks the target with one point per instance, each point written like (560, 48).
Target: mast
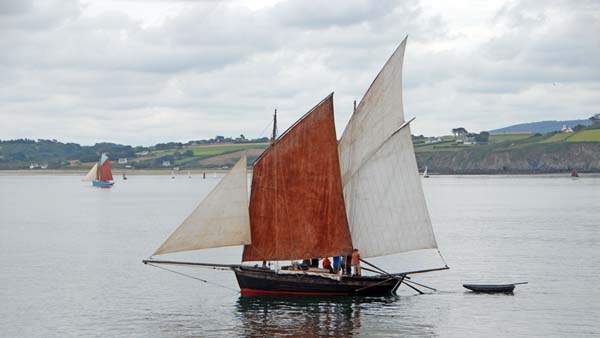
(274, 127)
(273, 138)
(99, 168)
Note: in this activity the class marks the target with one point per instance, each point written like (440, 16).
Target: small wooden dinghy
(492, 288)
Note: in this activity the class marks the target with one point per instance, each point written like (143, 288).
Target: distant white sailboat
(425, 174)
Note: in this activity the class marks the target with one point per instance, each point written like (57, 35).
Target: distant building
(166, 163)
(122, 161)
(34, 166)
(595, 119)
(176, 168)
(433, 140)
(470, 140)
(128, 166)
(143, 153)
(566, 129)
(44, 166)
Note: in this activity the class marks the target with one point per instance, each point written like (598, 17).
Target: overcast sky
(142, 72)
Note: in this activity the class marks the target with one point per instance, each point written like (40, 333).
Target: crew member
(337, 264)
(327, 264)
(356, 262)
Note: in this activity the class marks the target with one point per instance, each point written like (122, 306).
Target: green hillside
(51, 154)
(515, 153)
(500, 153)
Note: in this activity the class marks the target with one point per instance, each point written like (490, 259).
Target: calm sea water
(70, 265)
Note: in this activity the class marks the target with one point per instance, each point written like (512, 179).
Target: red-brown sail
(297, 206)
(105, 173)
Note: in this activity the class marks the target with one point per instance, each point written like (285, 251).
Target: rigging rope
(442, 257)
(194, 277)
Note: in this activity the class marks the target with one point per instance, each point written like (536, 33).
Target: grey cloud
(321, 14)
(15, 7)
(220, 68)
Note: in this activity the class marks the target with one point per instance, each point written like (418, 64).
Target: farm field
(591, 135)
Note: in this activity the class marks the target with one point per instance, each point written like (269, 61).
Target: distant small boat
(492, 288)
(574, 173)
(100, 174)
(124, 176)
(172, 174)
(425, 174)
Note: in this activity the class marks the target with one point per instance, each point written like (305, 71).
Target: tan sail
(386, 207)
(92, 174)
(296, 205)
(220, 220)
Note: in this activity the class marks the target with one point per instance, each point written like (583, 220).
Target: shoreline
(196, 172)
(116, 172)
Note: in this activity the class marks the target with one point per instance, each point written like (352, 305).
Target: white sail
(92, 174)
(220, 220)
(425, 172)
(384, 199)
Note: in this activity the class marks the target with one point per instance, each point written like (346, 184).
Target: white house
(566, 129)
(166, 163)
(122, 161)
(470, 140)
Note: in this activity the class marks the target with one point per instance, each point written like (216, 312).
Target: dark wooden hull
(490, 288)
(254, 281)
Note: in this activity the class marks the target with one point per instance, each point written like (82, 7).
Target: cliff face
(536, 158)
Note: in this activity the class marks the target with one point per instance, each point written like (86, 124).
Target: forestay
(384, 199)
(220, 220)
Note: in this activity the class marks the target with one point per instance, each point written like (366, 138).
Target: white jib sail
(92, 174)
(385, 204)
(221, 219)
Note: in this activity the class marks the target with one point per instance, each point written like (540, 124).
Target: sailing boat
(312, 197)
(100, 174)
(574, 173)
(425, 174)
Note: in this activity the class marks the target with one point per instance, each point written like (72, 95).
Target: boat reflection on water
(301, 315)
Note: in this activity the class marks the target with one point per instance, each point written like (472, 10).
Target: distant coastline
(116, 172)
(462, 153)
